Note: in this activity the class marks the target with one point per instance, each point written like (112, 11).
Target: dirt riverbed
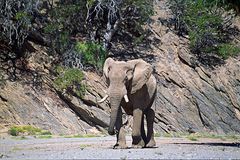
(101, 148)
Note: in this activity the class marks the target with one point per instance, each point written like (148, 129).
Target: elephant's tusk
(103, 99)
(126, 98)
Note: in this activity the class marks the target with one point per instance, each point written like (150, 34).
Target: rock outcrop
(21, 105)
(194, 98)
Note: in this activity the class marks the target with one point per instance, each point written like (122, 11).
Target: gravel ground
(100, 148)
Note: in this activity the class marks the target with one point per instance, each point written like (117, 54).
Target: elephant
(132, 87)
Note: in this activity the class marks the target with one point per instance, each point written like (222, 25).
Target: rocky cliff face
(20, 104)
(190, 97)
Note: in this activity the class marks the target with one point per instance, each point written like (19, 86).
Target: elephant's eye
(109, 68)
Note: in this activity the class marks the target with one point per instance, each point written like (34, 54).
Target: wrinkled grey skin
(132, 78)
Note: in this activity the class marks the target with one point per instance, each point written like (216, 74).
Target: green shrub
(15, 21)
(27, 130)
(14, 131)
(198, 135)
(144, 9)
(65, 20)
(206, 26)
(44, 136)
(192, 137)
(50, 28)
(83, 136)
(92, 54)
(19, 137)
(226, 50)
(157, 134)
(70, 80)
(45, 132)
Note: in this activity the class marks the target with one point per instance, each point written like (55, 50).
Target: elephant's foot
(151, 143)
(120, 146)
(138, 142)
(140, 145)
(137, 146)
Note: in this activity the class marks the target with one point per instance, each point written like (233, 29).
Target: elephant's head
(123, 79)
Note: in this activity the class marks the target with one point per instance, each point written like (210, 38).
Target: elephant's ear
(141, 74)
(106, 68)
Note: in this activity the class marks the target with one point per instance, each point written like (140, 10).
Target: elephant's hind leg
(143, 133)
(150, 134)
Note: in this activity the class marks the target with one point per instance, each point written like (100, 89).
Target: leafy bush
(192, 137)
(92, 54)
(144, 9)
(66, 19)
(206, 26)
(27, 130)
(69, 80)
(203, 26)
(226, 50)
(228, 4)
(105, 18)
(15, 20)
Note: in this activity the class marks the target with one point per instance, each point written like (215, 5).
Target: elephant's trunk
(115, 101)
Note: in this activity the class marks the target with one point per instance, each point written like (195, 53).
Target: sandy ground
(100, 148)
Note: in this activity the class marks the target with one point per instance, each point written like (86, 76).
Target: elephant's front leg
(150, 134)
(121, 139)
(137, 142)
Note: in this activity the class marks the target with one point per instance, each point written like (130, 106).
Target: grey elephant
(131, 86)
